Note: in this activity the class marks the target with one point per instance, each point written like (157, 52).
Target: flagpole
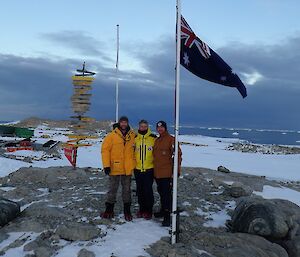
(177, 88)
(117, 76)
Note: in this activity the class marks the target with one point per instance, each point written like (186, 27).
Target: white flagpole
(175, 170)
(117, 76)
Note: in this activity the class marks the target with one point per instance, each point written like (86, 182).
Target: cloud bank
(42, 86)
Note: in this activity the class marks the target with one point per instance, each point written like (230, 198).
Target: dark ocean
(257, 136)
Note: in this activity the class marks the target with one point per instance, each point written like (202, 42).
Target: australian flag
(201, 60)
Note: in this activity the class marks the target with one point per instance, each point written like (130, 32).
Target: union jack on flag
(190, 38)
(197, 57)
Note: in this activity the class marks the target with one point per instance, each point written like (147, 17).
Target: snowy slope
(286, 167)
(211, 155)
(127, 240)
(284, 193)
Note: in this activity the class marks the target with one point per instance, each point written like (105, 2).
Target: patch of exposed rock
(211, 193)
(264, 149)
(238, 189)
(77, 232)
(33, 122)
(62, 203)
(85, 253)
(276, 220)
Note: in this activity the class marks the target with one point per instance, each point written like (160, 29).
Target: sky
(44, 42)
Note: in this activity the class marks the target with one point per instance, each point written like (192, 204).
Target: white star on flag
(223, 78)
(186, 59)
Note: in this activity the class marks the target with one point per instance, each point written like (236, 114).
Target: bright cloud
(252, 78)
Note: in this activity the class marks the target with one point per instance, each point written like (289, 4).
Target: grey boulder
(85, 253)
(223, 169)
(238, 189)
(73, 231)
(272, 219)
(9, 210)
(238, 245)
(292, 246)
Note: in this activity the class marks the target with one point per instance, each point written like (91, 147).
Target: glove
(107, 170)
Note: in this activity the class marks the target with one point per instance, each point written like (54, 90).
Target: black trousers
(144, 183)
(164, 188)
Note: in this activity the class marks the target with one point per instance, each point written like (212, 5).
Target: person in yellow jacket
(119, 162)
(144, 174)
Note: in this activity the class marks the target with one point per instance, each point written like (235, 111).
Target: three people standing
(149, 157)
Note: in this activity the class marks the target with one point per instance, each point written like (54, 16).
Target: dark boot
(159, 214)
(140, 214)
(167, 219)
(109, 212)
(147, 215)
(127, 212)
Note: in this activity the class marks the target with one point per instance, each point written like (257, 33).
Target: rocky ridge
(63, 205)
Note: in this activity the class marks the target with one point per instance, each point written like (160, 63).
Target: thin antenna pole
(117, 76)
(177, 91)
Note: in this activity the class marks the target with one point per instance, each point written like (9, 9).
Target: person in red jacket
(163, 153)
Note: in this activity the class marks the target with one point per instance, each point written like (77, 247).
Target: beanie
(161, 123)
(143, 122)
(123, 118)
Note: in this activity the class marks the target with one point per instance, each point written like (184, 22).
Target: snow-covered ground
(10, 123)
(206, 152)
(27, 153)
(127, 240)
(17, 251)
(8, 166)
(218, 218)
(281, 167)
(209, 153)
(42, 134)
(285, 193)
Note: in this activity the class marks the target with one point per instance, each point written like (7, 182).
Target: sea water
(257, 136)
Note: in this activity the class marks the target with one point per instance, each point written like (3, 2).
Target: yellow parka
(118, 152)
(143, 151)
